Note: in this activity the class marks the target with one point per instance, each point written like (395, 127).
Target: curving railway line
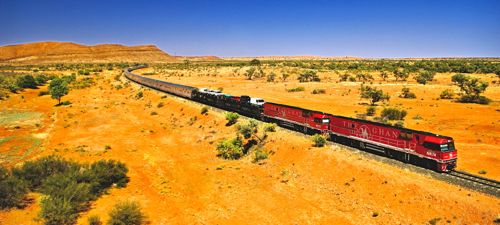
(423, 149)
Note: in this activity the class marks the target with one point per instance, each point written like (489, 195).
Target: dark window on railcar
(306, 113)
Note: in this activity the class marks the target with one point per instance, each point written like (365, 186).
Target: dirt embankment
(177, 178)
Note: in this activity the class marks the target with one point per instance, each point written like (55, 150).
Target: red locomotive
(422, 148)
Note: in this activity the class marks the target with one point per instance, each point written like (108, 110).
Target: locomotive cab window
(317, 120)
(440, 147)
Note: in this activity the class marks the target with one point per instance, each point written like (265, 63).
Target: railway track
(477, 180)
(461, 178)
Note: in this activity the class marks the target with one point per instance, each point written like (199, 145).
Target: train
(424, 149)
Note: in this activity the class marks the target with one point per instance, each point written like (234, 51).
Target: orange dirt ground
(177, 178)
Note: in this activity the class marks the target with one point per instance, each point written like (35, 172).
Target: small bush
(270, 127)
(12, 190)
(393, 114)
(94, 220)
(475, 99)
(406, 93)
(318, 140)
(58, 211)
(107, 147)
(204, 110)
(260, 154)
(153, 113)
(370, 111)
(232, 118)
(160, 105)
(230, 148)
(139, 95)
(34, 172)
(318, 91)
(126, 213)
(447, 94)
(482, 172)
(26, 81)
(42, 93)
(309, 76)
(297, 89)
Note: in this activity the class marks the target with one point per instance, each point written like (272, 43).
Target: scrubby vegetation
(297, 89)
(447, 94)
(126, 213)
(309, 76)
(393, 113)
(424, 77)
(471, 88)
(406, 93)
(12, 190)
(318, 140)
(230, 148)
(371, 110)
(231, 118)
(318, 91)
(67, 186)
(373, 94)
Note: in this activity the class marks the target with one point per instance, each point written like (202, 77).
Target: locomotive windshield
(440, 147)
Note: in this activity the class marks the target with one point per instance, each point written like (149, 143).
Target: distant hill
(66, 52)
(293, 58)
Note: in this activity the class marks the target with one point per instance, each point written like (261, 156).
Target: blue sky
(384, 28)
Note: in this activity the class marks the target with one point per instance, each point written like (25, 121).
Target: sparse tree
(424, 77)
(271, 77)
(255, 62)
(384, 75)
(373, 94)
(58, 88)
(471, 88)
(284, 76)
(406, 93)
(250, 73)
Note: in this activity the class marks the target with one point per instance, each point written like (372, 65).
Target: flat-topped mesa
(67, 52)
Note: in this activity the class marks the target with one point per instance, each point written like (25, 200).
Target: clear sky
(378, 28)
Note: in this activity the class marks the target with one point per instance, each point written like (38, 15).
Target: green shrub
(230, 148)
(270, 127)
(406, 93)
(42, 93)
(139, 95)
(260, 154)
(424, 77)
(204, 110)
(94, 220)
(41, 79)
(126, 213)
(297, 89)
(26, 81)
(393, 114)
(318, 140)
(34, 172)
(309, 76)
(232, 118)
(318, 91)
(104, 173)
(58, 211)
(66, 186)
(373, 94)
(447, 94)
(370, 111)
(12, 190)
(248, 130)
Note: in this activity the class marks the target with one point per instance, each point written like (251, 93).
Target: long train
(420, 148)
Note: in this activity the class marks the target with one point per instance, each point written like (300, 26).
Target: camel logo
(363, 132)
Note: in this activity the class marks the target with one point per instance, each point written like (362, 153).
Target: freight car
(425, 149)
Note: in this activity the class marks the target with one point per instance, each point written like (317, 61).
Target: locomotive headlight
(451, 154)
